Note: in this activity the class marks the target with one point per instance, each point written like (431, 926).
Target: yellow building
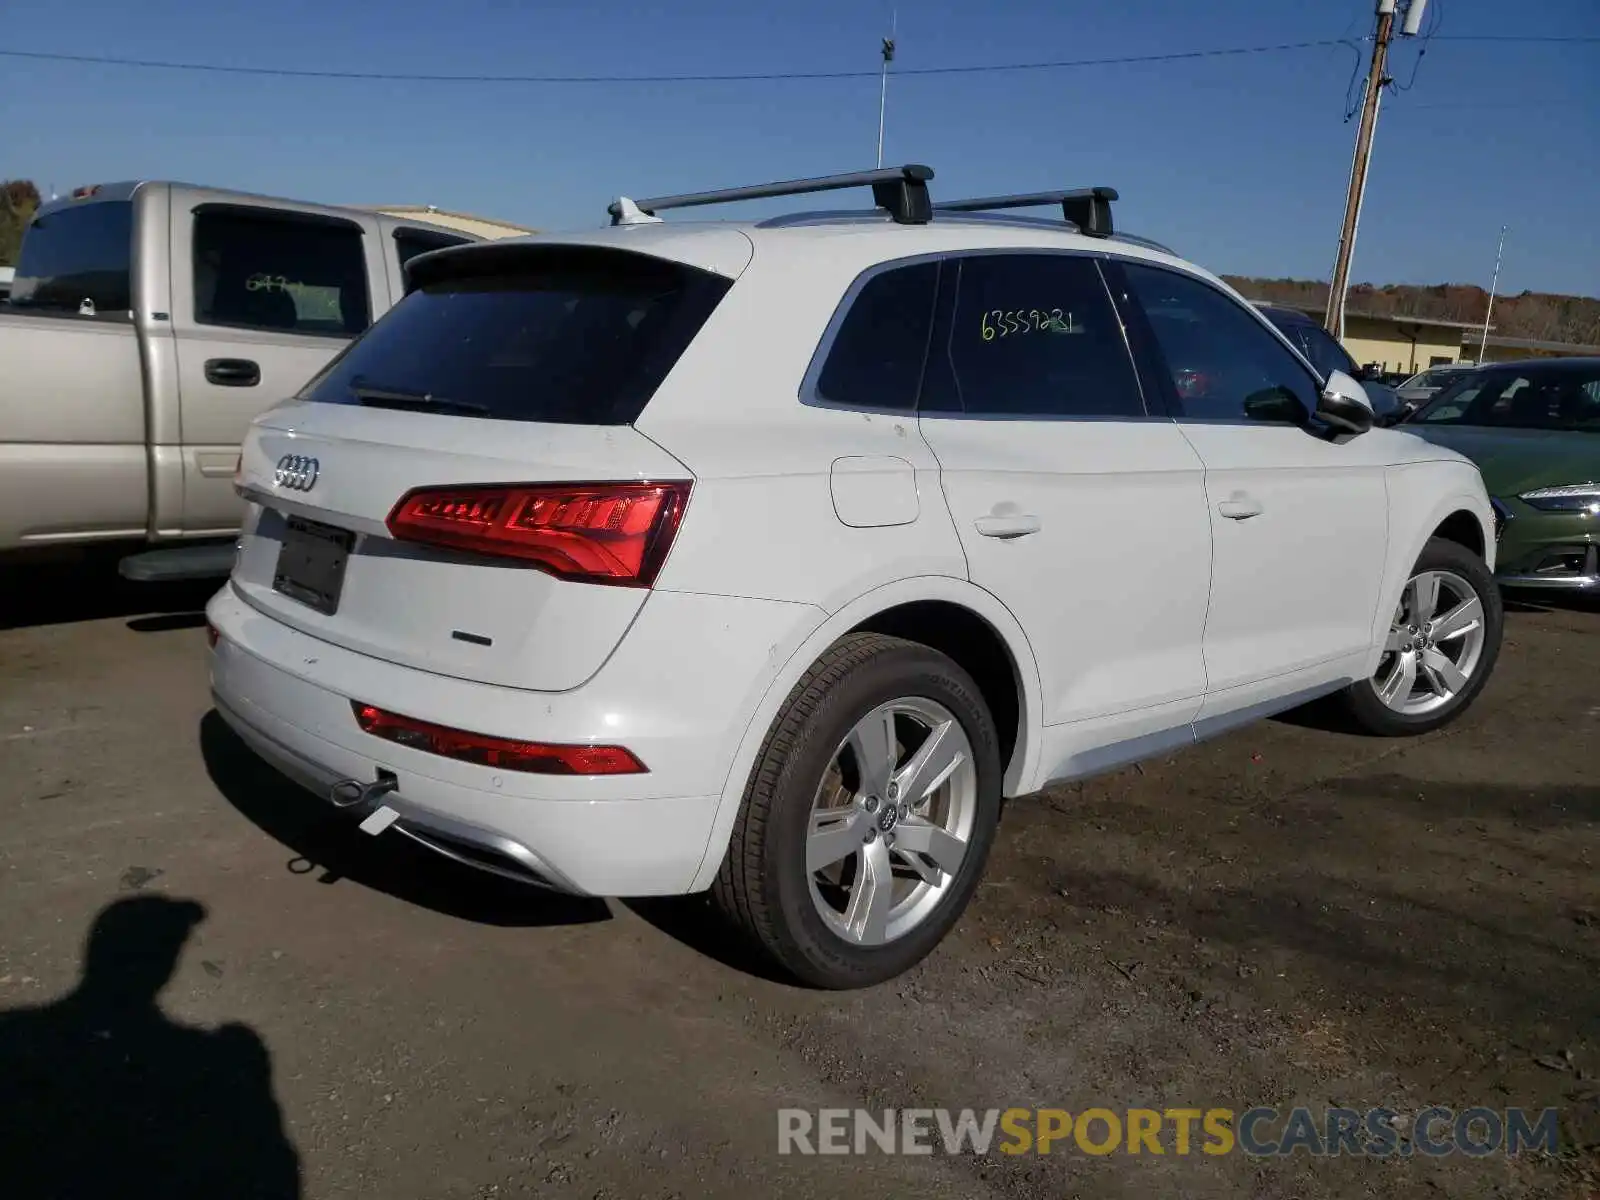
(485, 227)
(1403, 345)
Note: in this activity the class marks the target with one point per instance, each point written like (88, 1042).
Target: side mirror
(1344, 406)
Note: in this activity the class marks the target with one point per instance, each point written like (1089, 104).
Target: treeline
(1540, 315)
(18, 199)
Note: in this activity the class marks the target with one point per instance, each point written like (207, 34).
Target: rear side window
(877, 354)
(78, 260)
(259, 270)
(568, 335)
(1035, 335)
(1223, 365)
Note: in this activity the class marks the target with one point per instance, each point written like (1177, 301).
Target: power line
(751, 77)
(1513, 37)
(745, 77)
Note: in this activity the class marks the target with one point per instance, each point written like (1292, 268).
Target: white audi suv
(767, 558)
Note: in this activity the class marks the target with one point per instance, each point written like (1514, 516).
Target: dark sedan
(1325, 354)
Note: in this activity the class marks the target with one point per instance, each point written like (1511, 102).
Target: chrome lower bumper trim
(1585, 579)
(1564, 583)
(455, 840)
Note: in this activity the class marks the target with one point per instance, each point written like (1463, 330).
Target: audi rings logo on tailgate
(297, 472)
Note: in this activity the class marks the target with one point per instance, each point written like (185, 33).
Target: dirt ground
(1290, 915)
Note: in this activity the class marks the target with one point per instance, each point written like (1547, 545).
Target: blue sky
(1240, 163)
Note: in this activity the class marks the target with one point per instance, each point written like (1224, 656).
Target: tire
(1363, 701)
(765, 886)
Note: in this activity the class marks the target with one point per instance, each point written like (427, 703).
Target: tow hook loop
(352, 793)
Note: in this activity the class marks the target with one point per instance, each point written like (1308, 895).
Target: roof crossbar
(1087, 208)
(901, 190)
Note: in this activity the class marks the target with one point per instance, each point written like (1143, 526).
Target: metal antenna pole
(883, 80)
(1333, 319)
(1483, 342)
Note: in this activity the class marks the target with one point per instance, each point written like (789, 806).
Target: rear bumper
(675, 693)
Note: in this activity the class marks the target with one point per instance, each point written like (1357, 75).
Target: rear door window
(78, 260)
(1036, 335)
(256, 269)
(570, 335)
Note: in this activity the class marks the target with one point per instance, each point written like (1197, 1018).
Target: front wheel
(868, 815)
(1441, 646)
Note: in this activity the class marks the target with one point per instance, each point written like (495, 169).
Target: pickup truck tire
(1441, 648)
(825, 875)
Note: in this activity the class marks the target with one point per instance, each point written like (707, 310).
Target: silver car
(1422, 387)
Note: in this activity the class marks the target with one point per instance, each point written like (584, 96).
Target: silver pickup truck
(148, 323)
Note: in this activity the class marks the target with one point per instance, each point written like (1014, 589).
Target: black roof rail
(1087, 208)
(901, 190)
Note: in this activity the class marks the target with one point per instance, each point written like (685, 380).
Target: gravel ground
(1290, 915)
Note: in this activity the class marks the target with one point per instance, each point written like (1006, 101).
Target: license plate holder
(311, 563)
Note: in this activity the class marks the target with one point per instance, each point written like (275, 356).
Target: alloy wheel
(1434, 645)
(892, 820)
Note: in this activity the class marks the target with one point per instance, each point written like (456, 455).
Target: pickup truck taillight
(616, 533)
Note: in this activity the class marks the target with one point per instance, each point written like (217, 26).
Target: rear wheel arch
(901, 604)
(974, 645)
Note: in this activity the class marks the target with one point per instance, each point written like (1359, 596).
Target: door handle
(232, 372)
(1240, 507)
(1012, 525)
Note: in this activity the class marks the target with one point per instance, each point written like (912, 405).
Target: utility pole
(1483, 342)
(883, 81)
(1333, 320)
(1377, 79)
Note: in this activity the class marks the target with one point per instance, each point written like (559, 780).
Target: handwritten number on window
(1004, 323)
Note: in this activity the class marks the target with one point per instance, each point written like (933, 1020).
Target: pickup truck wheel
(868, 816)
(1441, 647)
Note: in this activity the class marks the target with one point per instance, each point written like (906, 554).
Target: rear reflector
(615, 533)
(538, 758)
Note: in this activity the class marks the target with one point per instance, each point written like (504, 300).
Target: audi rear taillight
(590, 532)
(510, 754)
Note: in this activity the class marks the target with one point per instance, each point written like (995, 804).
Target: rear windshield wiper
(378, 397)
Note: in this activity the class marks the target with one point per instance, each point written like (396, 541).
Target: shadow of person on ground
(330, 843)
(102, 1094)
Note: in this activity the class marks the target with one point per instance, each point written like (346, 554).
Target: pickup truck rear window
(78, 260)
(265, 270)
(568, 335)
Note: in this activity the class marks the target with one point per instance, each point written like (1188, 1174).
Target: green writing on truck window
(1003, 323)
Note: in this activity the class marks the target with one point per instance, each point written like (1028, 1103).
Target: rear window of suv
(567, 335)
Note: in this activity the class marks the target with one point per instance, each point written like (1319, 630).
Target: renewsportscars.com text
(1258, 1132)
